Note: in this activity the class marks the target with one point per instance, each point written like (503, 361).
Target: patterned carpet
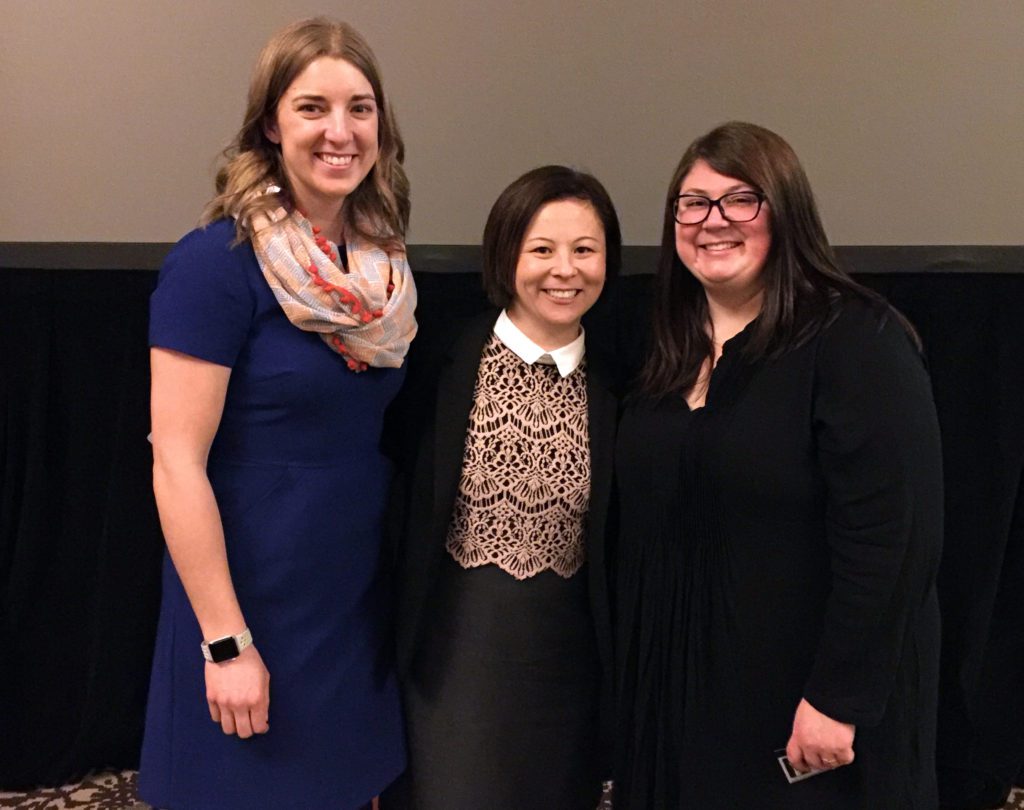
(100, 791)
(1016, 801)
(116, 791)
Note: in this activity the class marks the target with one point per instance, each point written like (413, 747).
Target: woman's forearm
(187, 403)
(195, 539)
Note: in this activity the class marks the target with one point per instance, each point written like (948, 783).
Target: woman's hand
(238, 693)
(187, 401)
(818, 742)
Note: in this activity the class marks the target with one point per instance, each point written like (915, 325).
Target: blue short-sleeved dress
(301, 486)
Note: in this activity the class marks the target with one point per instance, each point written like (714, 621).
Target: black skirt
(502, 702)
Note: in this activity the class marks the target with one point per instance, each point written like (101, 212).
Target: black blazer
(431, 416)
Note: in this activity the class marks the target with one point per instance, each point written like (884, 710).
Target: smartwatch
(224, 649)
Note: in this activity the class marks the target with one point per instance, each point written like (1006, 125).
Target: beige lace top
(525, 484)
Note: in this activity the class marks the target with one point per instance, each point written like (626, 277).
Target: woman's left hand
(818, 742)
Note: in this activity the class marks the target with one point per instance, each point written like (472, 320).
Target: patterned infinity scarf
(366, 314)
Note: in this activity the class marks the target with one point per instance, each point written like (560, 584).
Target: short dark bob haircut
(802, 279)
(515, 209)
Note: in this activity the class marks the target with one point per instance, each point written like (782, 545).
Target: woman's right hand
(819, 742)
(187, 401)
(238, 694)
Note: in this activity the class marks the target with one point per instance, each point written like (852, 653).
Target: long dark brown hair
(378, 209)
(802, 279)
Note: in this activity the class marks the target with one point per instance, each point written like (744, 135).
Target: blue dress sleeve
(204, 304)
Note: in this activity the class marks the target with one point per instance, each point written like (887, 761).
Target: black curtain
(80, 545)
(79, 540)
(971, 326)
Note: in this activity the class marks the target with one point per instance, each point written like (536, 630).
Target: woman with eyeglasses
(780, 513)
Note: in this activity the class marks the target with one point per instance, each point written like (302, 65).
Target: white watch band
(241, 641)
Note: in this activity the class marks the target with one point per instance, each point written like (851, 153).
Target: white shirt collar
(567, 358)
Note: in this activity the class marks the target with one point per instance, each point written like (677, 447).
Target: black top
(780, 543)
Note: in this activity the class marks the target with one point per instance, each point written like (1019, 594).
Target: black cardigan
(426, 435)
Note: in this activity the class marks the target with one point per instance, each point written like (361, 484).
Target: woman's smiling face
(724, 256)
(560, 272)
(326, 126)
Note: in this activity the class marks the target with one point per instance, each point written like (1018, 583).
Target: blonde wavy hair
(378, 209)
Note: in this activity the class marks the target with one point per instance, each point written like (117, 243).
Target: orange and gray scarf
(365, 314)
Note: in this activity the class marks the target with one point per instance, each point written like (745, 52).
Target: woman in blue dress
(278, 332)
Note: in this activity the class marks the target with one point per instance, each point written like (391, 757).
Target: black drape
(80, 544)
(79, 541)
(972, 330)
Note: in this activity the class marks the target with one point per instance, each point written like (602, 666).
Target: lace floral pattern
(525, 484)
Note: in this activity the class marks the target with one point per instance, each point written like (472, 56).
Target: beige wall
(909, 116)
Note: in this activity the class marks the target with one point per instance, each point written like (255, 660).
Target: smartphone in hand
(792, 774)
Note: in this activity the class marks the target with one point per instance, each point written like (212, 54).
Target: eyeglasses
(739, 206)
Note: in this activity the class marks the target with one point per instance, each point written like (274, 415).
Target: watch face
(223, 649)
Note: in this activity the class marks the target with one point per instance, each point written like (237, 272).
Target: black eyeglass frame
(761, 197)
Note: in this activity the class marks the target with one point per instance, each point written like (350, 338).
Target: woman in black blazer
(502, 617)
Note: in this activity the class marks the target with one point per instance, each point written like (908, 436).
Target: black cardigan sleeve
(877, 443)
